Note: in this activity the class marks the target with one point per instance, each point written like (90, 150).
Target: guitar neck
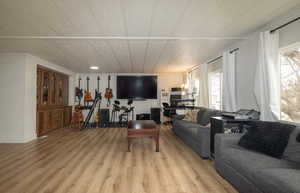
(98, 80)
(108, 82)
(87, 81)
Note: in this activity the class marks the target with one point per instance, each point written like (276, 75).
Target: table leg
(157, 143)
(129, 143)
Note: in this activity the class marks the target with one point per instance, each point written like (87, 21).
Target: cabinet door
(39, 87)
(60, 90)
(67, 116)
(50, 125)
(41, 123)
(65, 90)
(59, 120)
(45, 87)
(53, 88)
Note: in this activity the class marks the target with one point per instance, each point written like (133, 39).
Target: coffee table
(142, 128)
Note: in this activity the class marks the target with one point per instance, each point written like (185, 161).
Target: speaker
(155, 115)
(104, 117)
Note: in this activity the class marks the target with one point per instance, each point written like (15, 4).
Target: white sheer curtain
(267, 77)
(189, 82)
(229, 102)
(203, 87)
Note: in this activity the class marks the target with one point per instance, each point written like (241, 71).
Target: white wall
(165, 81)
(12, 76)
(247, 56)
(18, 95)
(170, 80)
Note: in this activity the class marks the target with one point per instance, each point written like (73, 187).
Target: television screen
(137, 87)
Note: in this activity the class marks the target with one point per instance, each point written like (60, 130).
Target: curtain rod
(282, 26)
(234, 50)
(218, 58)
(213, 60)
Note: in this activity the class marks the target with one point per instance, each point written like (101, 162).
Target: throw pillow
(194, 115)
(270, 138)
(191, 116)
(292, 150)
(188, 116)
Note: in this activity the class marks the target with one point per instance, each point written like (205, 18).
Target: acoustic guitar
(87, 93)
(108, 92)
(77, 117)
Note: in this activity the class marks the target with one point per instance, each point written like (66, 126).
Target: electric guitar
(96, 118)
(79, 92)
(97, 91)
(108, 92)
(87, 93)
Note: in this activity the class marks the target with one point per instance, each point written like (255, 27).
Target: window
(215, 89)
(195, 91)
(290, 84)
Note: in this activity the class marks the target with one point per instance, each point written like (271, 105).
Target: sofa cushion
(187, 126)
(248, 162)
(204, 115)
(278, 180)
(270, 138)
(183, 124)
(292, 150)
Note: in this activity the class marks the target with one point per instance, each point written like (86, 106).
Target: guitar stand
(86, 123)
(87, 104)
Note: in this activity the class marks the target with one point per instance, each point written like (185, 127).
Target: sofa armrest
(223, 141)
(204, 129)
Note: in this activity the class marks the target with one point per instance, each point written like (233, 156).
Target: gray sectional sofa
(196, 134)
(253, 172)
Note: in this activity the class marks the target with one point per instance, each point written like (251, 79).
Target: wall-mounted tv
(137, 87)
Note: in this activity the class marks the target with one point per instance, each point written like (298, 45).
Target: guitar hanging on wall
(97, 96)
(79, 92)
(87, 93)
(108, 92)
(77, 116)
(97, 91)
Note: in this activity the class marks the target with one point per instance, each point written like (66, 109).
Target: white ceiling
(210, 25)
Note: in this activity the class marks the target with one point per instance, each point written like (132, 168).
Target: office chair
(168, 112)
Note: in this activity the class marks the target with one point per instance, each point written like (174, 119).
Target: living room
(150, 96)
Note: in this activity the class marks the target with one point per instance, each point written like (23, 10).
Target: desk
(220, 124)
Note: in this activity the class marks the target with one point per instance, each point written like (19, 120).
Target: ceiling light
(94, 67)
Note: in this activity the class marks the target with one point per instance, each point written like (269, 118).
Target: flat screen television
(137, 87)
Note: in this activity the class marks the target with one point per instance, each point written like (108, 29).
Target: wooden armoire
(53, 111)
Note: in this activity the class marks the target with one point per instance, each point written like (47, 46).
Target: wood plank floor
(96, 160)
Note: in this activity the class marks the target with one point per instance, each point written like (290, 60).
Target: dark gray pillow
(292, 150)
(270, 138)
